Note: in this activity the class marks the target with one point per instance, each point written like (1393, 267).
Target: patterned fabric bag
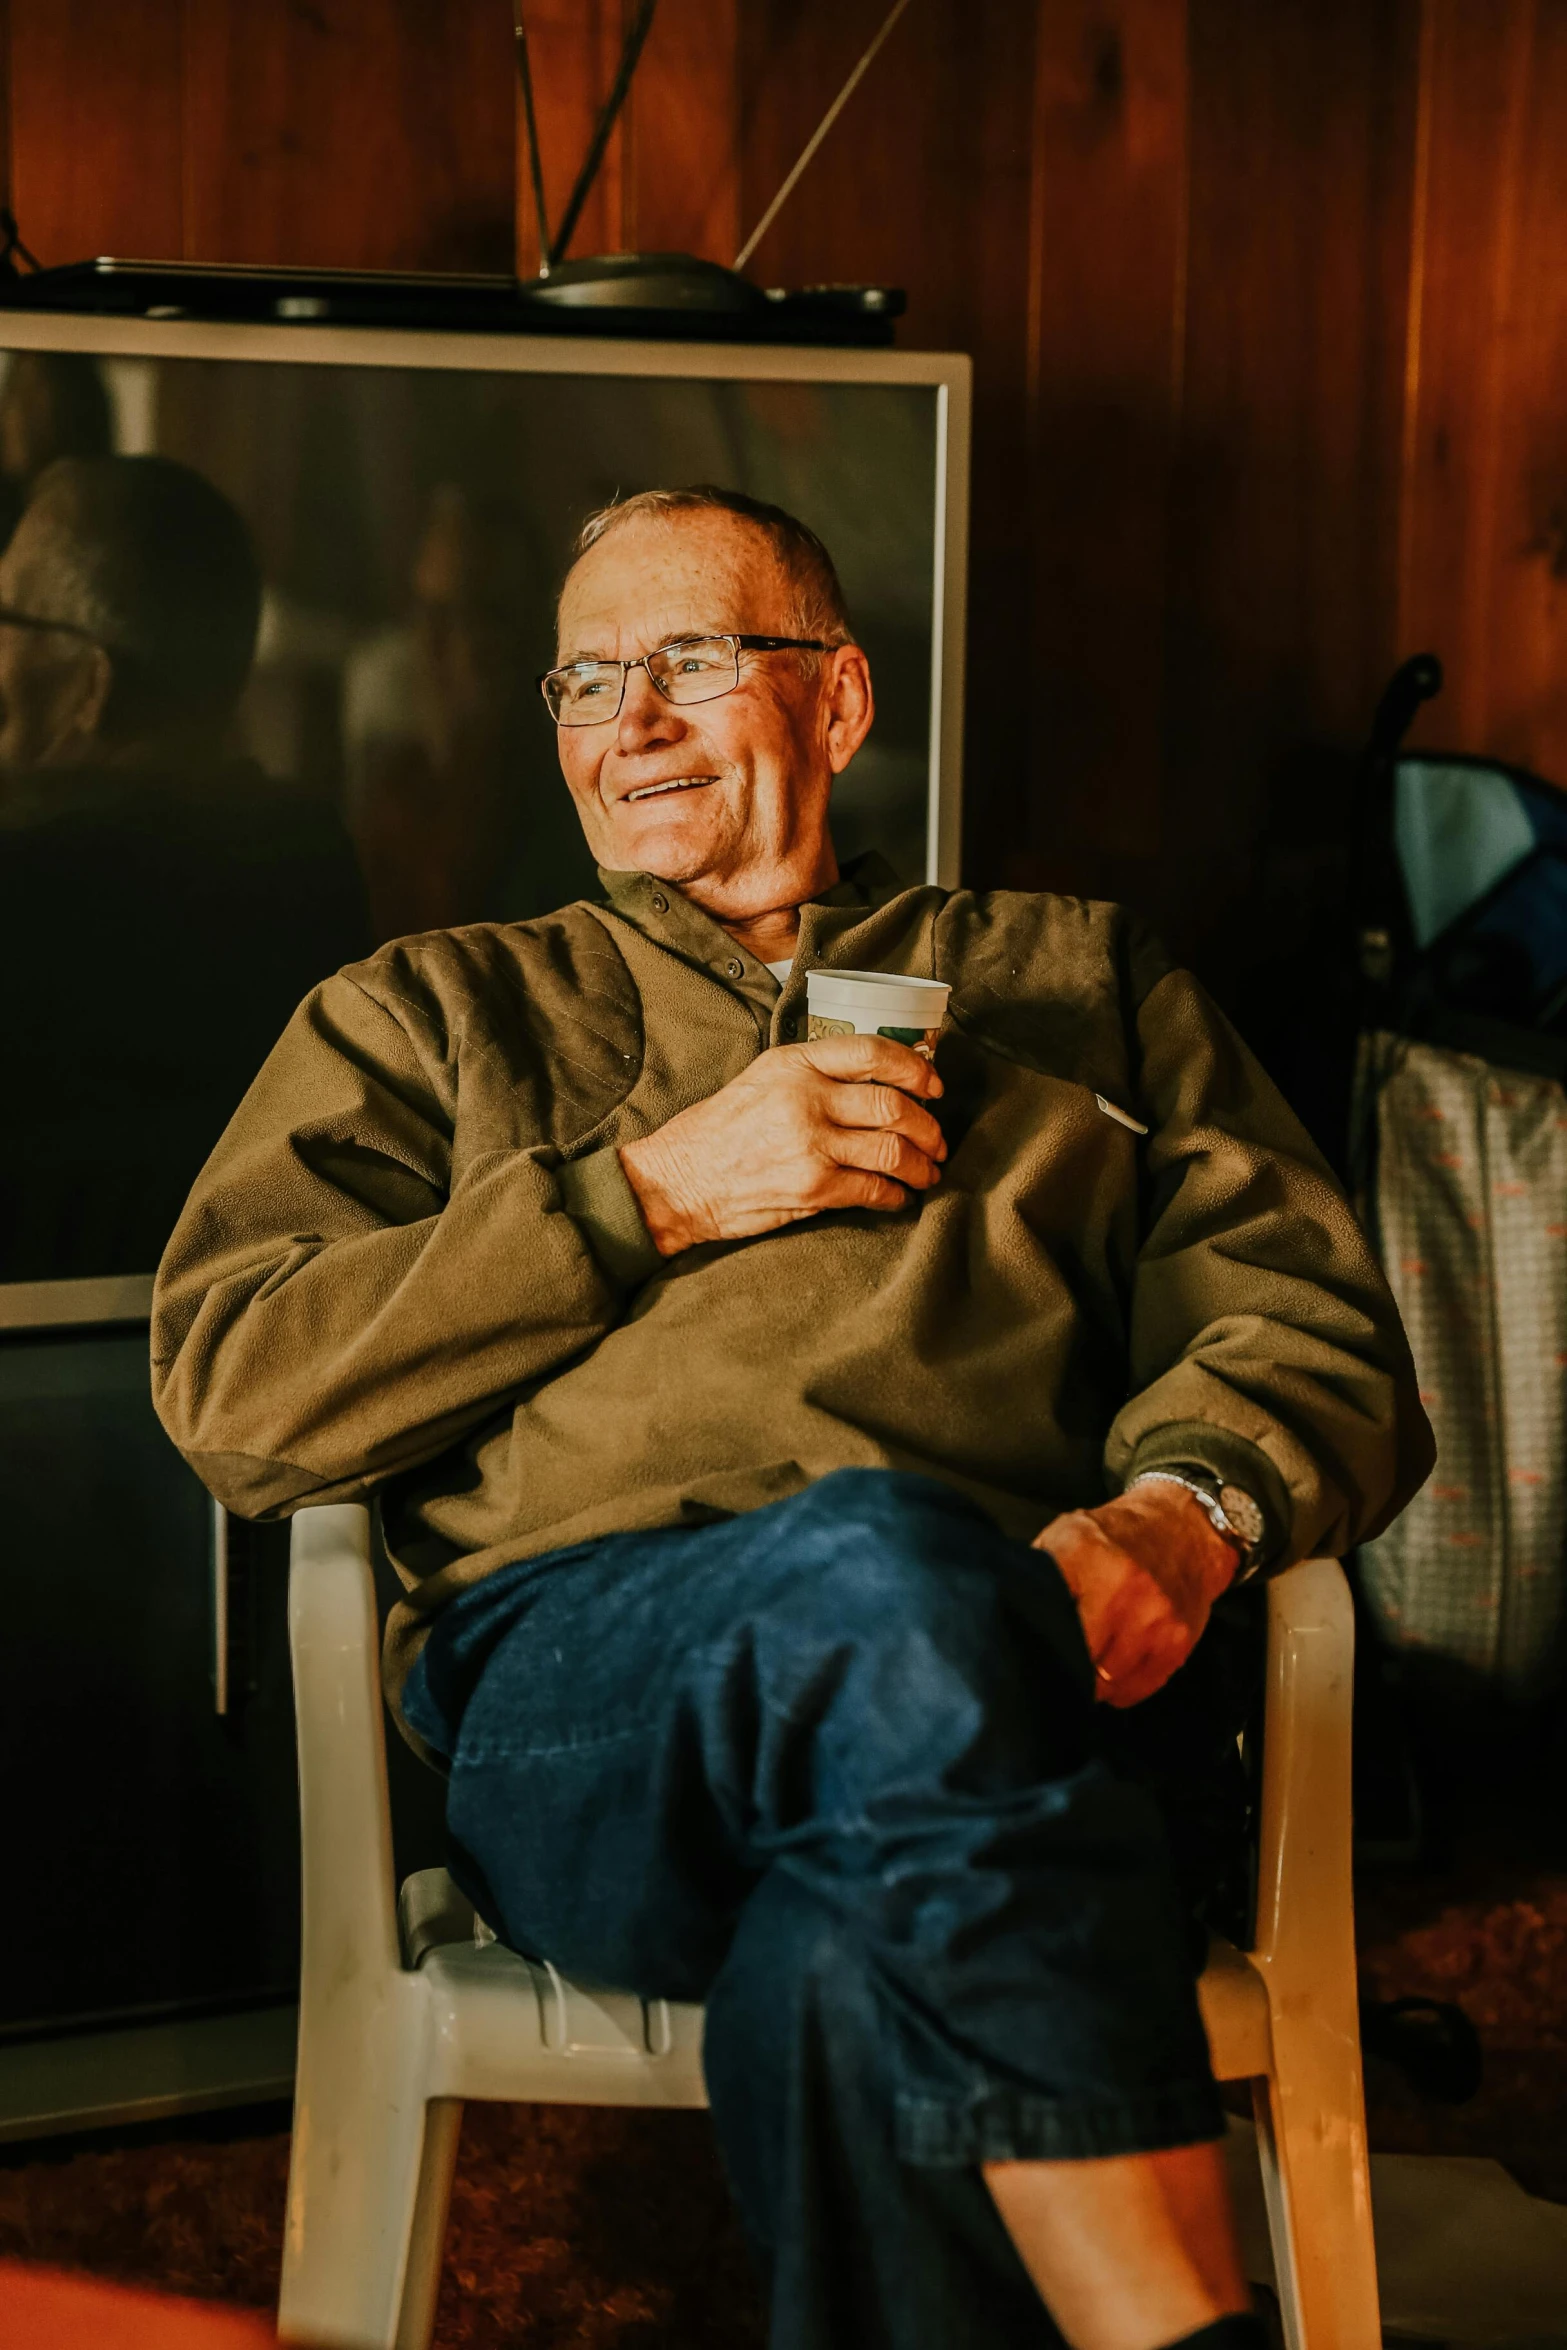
(1466, 1201)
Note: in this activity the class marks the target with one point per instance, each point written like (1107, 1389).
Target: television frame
(948, 374)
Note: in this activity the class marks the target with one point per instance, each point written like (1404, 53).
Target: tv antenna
(816, 137)
(552, 250)
(670, 285)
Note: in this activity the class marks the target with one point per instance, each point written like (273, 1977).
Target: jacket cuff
(1234, 1460)
(597, 1195)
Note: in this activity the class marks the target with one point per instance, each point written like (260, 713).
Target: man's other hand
(837, 1123)
(1144, 1570)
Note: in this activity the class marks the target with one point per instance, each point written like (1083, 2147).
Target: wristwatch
(1233, 1512)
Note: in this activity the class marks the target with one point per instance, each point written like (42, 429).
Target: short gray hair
(816, 601)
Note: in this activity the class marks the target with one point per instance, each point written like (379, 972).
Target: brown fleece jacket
(414, 1263)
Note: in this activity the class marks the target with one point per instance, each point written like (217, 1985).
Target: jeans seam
(493, 1751)
(1020, 2126)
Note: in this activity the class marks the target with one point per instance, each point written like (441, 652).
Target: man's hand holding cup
(839, 1122)
(836, 1122)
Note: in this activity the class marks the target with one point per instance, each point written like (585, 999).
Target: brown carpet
(571, 2229)
(576, 2230)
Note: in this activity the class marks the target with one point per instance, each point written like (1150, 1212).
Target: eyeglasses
(692, 669)
(13, 619)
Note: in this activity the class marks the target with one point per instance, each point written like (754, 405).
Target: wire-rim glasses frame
(556, 684)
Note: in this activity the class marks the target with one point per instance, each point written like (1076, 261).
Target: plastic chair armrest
(350, 1905)
(1305, 1900)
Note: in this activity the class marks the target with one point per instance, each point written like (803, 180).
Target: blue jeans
(834, 1767)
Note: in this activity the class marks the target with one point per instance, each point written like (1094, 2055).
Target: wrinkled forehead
(670, 575)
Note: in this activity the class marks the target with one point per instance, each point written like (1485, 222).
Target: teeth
(652, 791)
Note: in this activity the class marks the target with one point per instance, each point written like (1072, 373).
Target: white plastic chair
(406, 2010)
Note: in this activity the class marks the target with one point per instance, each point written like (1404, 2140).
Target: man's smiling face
(726, 799)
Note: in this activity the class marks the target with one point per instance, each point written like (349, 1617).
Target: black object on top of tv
(668, 296)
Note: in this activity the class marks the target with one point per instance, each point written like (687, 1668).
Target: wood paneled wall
(1268, 306)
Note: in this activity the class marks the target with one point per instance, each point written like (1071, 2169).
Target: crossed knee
(886, 1654)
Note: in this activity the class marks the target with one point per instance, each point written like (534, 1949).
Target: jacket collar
(661, 913)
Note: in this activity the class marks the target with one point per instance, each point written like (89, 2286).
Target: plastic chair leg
(364, 2172)
(421, 2290)
(1316, 2181)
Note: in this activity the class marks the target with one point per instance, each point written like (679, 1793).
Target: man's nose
(646, 716)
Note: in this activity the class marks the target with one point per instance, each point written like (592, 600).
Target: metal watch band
(1230, 1508)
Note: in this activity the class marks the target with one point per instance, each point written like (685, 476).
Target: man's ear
(97, 687)
(81, 704)
(848, 703)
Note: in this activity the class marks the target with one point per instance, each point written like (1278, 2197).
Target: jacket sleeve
(333, 1305)
(1264, 1344)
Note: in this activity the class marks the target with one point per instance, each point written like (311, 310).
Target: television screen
(318, 726)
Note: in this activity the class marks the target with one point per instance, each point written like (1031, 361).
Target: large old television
(410, 497)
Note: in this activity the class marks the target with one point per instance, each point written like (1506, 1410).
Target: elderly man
(129, 600)
(784, 1444)
(162, 905)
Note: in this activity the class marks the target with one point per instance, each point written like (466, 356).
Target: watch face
(1243, 1513)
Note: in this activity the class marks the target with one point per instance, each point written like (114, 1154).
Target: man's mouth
(652, 791)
